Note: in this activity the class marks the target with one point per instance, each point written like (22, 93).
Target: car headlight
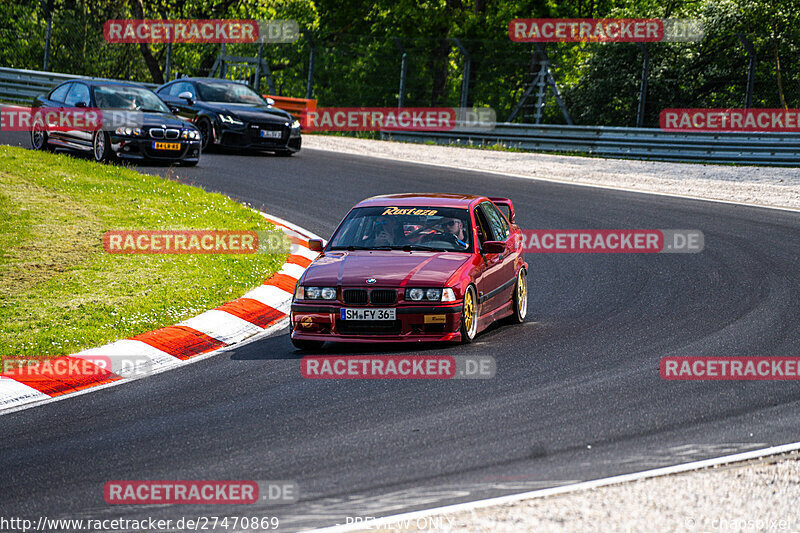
(318, 293)
(228, 119)
(190, 134)
(430, 295)
(296, 125)
(127, 131)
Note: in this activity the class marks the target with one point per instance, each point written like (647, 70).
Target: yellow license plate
(166, 146)
(435, 319)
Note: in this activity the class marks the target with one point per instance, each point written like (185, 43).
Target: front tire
(519, 300)
(101, 147)
(39, 137)
(205, 133)
(306, 345)
(469, 316)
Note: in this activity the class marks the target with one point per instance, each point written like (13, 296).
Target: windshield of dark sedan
(128, 98)
(402, 227)
(230, 93)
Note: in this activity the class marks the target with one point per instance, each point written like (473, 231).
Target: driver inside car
(454, 229)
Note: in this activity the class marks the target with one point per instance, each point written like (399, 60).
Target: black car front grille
(383, 296)
(354, 296)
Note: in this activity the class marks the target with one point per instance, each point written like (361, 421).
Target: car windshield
(404, 228)
(128, 98)
(230, 93)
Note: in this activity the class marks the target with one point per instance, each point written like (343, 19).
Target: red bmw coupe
(413, 268)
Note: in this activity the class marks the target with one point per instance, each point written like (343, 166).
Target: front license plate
(166, 146)
(270, 134)
(368, 314)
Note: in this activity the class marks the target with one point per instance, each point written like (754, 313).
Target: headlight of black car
(230, 119)
(128, 131)
(190, 134)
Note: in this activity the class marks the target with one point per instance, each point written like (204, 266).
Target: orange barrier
(296, 106)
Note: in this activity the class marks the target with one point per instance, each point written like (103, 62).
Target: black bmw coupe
(155, 134)
(232, 115)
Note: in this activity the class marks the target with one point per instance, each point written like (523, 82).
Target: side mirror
(81, 104)
(175, 110)
(315, 245)
(493, 247)
(186, 95)
(270, 101)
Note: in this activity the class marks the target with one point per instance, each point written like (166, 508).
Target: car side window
(60, 94)
(78, 93)
(482, 226)
(498, 224)
(180, 87)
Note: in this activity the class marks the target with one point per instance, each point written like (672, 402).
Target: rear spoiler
(504, 202)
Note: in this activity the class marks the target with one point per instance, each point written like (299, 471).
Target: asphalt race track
(577, 394)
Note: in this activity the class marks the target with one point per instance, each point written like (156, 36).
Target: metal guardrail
(773, 149)
(22, 86)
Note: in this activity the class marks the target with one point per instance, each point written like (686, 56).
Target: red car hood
(389, 268)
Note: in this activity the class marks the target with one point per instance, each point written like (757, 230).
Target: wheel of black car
(469, 316)
(205, 133)
(306, 345)
(101, 147)
(39, 136)
(519, 302)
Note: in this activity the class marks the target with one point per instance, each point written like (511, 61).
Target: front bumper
(139, 149)
(415, 323)
(248, 137)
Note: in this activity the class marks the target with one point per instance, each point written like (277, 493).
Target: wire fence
(600, 84)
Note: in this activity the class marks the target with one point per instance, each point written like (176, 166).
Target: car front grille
(160, 133)
(383, 296)
(354, 296)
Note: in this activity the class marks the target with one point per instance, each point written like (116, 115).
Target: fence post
(465, 76)
(401, 98)
(310, 82)
(751, 68)
(643, 86)
(47, 5)
(168, 62)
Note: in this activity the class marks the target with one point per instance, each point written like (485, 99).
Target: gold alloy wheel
(469, 313)
(522, 294)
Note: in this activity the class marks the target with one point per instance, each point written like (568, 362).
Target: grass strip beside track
(60, 292)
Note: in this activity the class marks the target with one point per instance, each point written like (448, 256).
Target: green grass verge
(60, 292)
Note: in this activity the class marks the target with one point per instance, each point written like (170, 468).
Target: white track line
(563, 489)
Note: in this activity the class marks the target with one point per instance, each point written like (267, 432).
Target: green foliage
(358, 51)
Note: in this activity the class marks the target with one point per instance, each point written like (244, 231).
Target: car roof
(462, 201)
(95, 83)
(217, 80)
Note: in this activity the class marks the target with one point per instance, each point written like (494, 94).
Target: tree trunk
(152, 64)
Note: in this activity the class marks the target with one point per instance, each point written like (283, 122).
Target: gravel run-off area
(767, 186)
